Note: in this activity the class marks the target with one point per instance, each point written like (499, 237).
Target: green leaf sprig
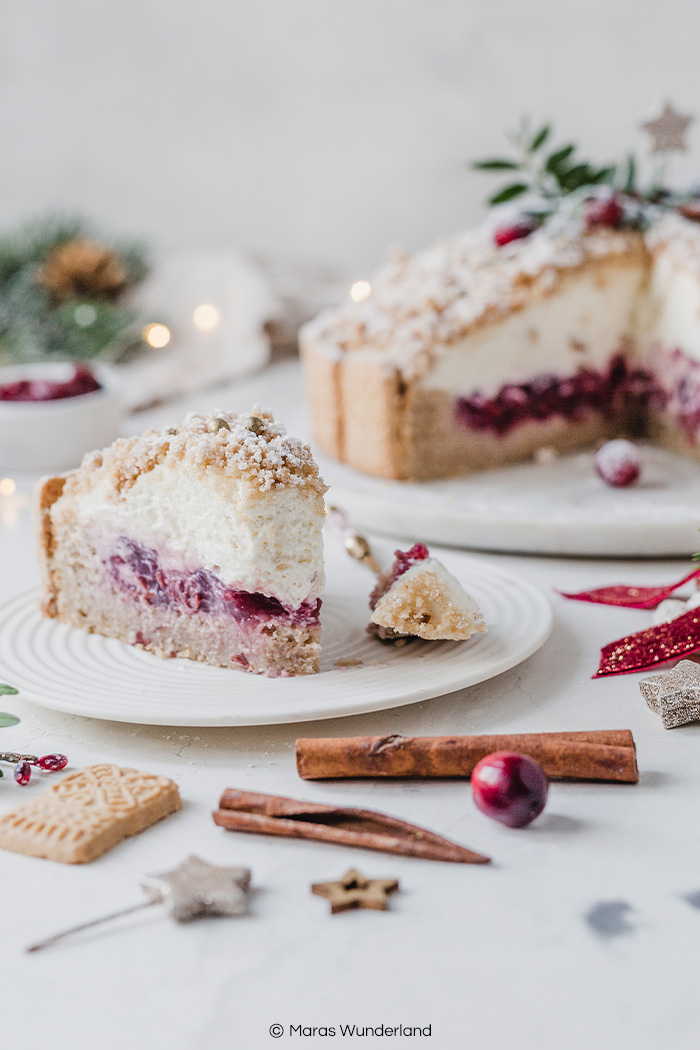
(548, 174)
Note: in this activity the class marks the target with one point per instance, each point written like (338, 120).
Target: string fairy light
(206, 316)
(156, 335)
(360, 291)
(7, 487)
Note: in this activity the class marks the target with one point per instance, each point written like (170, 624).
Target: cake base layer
(127, 596)
(441, 448)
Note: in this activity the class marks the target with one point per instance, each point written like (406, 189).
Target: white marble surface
(490, 956)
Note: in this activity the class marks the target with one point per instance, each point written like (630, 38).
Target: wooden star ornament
(667, 131)
(354, 890)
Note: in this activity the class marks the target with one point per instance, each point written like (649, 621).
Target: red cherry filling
(81, 382)
(510, 788)
(572, 397)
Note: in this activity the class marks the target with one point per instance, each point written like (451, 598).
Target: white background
(320, 131)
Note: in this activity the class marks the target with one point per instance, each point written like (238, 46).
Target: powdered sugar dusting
(241, 448)
(680, 236)
(420, 304)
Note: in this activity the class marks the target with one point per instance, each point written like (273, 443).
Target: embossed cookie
(87, 813)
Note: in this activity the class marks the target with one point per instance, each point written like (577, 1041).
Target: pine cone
(81, 269)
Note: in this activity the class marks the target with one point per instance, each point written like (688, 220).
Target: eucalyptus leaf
(574, 178)
(540, 138)
(7, 690)
(509, 193)
(555, 160)
(607, 174)
(7, 720)
(495, 165)
(631, 174)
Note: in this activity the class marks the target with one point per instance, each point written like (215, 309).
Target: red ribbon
(631, 597)
(651, 647)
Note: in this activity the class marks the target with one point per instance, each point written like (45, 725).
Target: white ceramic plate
(78, 673)
(560, 507)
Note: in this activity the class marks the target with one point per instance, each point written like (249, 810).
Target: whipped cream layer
(591, 316)
(267, 543)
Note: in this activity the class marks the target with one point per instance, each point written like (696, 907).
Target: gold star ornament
(356, 891)
(668, 130)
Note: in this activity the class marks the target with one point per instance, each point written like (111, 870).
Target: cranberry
(604, 211)
(23, 772)
(513, 231)
(52, 763)
(509, 787)
(617, 463)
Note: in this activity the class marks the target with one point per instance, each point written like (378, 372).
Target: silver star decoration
(675, 694)
(196, 888)
(667, 131)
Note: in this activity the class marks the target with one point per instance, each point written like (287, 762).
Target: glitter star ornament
(191, 889)
(668, 130)
(356, 891)
(196, 888)
(675, 694)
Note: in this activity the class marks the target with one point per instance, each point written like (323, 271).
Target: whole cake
(555, 328)
(202, 541)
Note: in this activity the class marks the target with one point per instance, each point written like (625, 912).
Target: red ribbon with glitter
(651, 647)
(631, 597)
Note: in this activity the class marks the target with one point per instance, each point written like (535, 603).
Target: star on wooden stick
(667, 131)
(674, 694)
(356, 891)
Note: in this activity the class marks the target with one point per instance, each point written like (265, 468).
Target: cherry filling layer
(619, 387)
(81, 382)
(134, 570)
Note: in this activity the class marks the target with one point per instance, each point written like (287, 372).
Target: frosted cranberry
(617, 463)
(510, 788)
(52, 763)
(604, 211)
(513, 231)
(23, 772)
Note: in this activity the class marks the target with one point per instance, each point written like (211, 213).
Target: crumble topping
(422, 303)
(260, 452)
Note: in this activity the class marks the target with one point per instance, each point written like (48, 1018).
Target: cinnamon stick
(263, 814)
(595, 755)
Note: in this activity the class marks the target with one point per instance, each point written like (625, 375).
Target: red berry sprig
(23, 764)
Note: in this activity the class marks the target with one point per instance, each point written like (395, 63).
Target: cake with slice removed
(561, 328)
(202, 541)
(417, 597)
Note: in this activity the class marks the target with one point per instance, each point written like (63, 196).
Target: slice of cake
(417, 597)
(202, 541)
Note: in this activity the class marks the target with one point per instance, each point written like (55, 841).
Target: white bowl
(54, 435)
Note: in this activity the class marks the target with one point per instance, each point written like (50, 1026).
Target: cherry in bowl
(510, 787)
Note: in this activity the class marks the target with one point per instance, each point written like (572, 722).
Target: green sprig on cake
(552, 180)
(64, 294)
